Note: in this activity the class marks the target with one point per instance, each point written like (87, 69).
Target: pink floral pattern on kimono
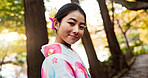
(62, 62)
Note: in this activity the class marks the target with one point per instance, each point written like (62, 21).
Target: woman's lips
(73, 36)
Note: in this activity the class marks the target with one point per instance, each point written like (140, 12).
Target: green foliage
(135, 22)
(11, 19)
(108, 66)
(16, 46)
(125, 49)
(21, 58)
(140, 49)
(12, 15)
(120, 38)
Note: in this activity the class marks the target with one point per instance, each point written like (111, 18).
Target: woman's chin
(70, 43)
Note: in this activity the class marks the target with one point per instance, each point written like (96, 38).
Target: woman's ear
(56, 23)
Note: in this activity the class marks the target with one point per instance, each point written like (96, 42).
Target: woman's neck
(64, 43)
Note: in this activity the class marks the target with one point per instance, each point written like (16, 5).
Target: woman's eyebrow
(76, 21)
(82, 24)
(72, 19)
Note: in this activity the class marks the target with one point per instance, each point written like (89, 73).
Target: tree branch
(75, 1)
(1, 63)
(142, 0)
(132, 5)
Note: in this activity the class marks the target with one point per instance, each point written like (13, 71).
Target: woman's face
(71, 28)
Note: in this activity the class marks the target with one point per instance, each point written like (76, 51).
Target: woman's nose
(75, 29)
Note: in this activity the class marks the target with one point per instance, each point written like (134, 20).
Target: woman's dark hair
(66, 9)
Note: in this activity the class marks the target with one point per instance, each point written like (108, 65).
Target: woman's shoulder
(50, 49)
(54, 60)
(55, 57)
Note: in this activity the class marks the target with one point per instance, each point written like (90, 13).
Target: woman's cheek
(82, 33)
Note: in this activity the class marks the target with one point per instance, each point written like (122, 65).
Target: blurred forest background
(130, 25)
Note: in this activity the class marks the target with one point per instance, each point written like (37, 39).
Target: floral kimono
(62, 62)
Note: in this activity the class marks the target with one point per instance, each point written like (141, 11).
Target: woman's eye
(71, 23)
(81, 27)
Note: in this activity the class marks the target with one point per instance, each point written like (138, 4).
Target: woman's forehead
(75, 16)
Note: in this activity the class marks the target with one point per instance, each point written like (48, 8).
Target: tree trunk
(96, 70)
(75, 1)
(119, 61)
(137, 5)
(36, 33)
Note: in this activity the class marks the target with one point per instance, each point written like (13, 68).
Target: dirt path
(139, 69)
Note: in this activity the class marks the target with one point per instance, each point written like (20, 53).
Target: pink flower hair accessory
(52, 22)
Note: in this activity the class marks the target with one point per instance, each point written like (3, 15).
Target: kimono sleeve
(55, 66)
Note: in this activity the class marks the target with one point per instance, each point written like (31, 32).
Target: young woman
(61, 61)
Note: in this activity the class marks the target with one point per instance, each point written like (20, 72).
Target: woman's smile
(74, 36)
